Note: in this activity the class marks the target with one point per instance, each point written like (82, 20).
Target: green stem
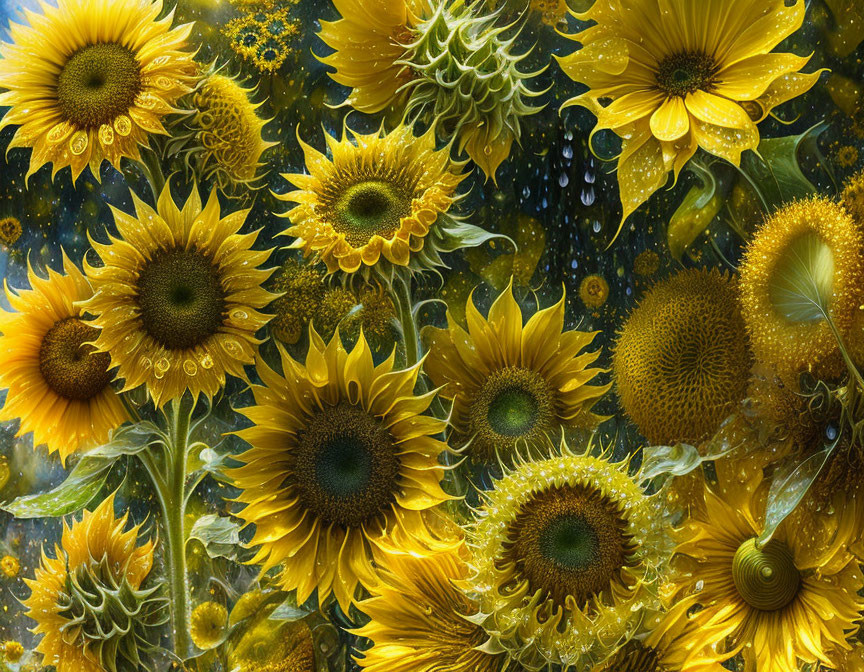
(405, 307)
(170, 487)
(152, 169)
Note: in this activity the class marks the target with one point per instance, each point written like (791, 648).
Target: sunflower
(669, 79)
(513, 387)
(343, 464)
(229, 132)
(208, 625)
(58, 386)
(795, 598)
(421, 619)
(806, 244)
(444, 63)
(88, 601)
(380, 195)
(177, 297)
(90, 80)
(681, 361)
(853, 197)
(564, 553)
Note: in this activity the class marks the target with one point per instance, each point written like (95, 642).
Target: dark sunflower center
(98, 83)
(370, 208)
(513, 405)
(181, 298)
(69, 367)
(345, 466)
(635, 657)
(683, 73)
(766, 578)
(569, 541)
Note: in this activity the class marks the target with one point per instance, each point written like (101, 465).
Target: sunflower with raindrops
(432, 336)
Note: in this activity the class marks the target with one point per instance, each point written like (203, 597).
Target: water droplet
(79, 142)
(123, 125)
(190, 367)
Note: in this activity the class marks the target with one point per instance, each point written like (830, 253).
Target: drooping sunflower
(442, 62)
(88, 601)
(379, 195)
(679, 79)
(229, 132)
(805, 258)
(343, 463)
(514, 387)
(421, 619)
(177, 297)
(793, 600)
(90, 80)
(564, 553)
(58, 386)
(682, 361)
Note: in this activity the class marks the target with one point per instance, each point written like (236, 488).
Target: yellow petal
(670, 121)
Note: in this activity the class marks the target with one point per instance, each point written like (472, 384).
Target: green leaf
(219, 535)
(692, 217)
(680, 459)
(289, 611)
(454, 234)
(774, 168)
(801, 286)
(790, 484)
(87, 477)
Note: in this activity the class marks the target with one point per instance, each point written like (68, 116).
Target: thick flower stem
(152, 170)
(169, 483)
(405, 307)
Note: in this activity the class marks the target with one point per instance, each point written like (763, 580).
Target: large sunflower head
(90, 80)
(421, 619)
(88, 601)
(343, 463)
(564, 550)
(669, 80)
(793, 599)
(176, 298)
(682, 360)
(58, 385)
(804, 263)
(379, 195)
(514, 387)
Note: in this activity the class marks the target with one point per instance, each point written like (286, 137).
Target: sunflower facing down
(378, 196)
(514, 387)
(88, 601)
(680, 79)
(343, 469)
(90, 80)
(177, 297)
(418, 619)
(58, 386)
(795, 599)
(564, 554)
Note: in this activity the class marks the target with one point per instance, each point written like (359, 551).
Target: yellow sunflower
(670, 76)
(58, 386)
(565, 551)
(88, 601)
(177, 297)
(793, 600)
(90, 80)
(805, 247)
(421, 619)
(513, 387)
(379, 195)
(343, 464)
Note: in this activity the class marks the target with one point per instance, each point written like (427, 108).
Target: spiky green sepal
(113, 621)
(467, 82)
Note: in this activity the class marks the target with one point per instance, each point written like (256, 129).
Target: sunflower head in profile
(90, 602)
(681, 361)
(177, 296)
(514, 387)
(669, 80)
(564, 550)
(381, 201)
(90, 80)
(343, 464)
(422, 619)
(58, 385)
(801, 267)
(789, 600)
